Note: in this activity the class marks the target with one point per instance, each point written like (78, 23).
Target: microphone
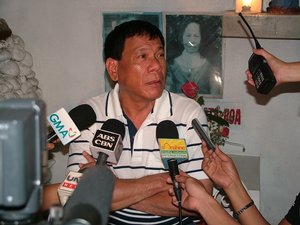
(202, 134)
(171, 148)
(107, 143)
(107, 147)
(67, 187)
(67, 126)
(170, 145)
(91, 200)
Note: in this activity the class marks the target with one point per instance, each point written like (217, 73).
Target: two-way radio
(263, 76)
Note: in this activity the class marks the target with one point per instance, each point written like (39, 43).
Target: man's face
(142, 69)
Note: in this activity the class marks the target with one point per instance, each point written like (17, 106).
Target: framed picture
(194, 52)
(112, 19)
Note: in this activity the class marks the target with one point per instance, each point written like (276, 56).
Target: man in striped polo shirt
(135, 62)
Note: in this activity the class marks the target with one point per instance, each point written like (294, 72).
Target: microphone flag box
(172, 148)
(67, 187)
(108, 143)
(63, 126)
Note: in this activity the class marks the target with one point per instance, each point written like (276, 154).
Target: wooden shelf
(264, 25)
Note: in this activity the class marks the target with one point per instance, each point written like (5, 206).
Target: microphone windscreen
(95, 188)
(114, 126)
(167, 129)
(83, 116)
(82, 214)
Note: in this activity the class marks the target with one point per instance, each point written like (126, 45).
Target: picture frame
(194, 52)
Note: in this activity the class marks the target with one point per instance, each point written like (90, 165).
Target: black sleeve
(293, 216)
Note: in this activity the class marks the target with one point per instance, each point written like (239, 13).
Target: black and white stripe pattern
(143, 157)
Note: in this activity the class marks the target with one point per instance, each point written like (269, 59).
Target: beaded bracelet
(236, 214)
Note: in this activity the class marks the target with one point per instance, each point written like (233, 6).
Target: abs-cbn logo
(105, 139)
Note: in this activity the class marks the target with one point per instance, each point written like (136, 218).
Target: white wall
(65, 40)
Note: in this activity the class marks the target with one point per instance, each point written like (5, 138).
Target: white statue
(17, 79)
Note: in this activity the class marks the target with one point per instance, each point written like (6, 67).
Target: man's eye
(161, 55)
(142, 56)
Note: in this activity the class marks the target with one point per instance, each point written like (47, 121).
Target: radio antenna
(256, 41)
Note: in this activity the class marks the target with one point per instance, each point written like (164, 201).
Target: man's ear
(112, 68)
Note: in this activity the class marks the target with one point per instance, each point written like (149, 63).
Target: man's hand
(90, 161)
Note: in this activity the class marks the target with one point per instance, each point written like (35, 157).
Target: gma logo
(60, 127)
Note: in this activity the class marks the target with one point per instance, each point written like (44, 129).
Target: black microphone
(167, 129)
(83, 116)
(202, 134)
(91, 200)
(107, 143)
(172, 149)
(106, 147)
(170, 145)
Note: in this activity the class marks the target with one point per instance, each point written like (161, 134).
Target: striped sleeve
(78, 146)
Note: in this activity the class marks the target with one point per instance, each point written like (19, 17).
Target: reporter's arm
(284, 72)
(291, 72)
(221, 169)
(240, 198)
(213, 213)
(196, 198)
(50, 196)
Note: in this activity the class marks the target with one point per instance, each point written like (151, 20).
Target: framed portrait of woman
(194, 53)
(113, 19)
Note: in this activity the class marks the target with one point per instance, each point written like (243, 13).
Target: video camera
(22, 145)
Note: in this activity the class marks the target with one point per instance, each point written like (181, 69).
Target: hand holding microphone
(67, 187)
(106, 147)
(172, 149)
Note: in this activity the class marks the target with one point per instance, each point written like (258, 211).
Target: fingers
(206, 152)
(181, 179)
(88, 157)
(90, 161)
(169, 180)
(182, 173)
(172, 194)
(249, 78)
(221, 155)
(50, 146)
(86, 165)
(262, 52)
(205, 149)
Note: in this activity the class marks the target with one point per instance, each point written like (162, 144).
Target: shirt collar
(162, 108)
